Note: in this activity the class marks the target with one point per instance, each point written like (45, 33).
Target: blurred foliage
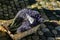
(50, 4)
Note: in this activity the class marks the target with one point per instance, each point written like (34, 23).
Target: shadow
(31, 2)
(52, 14)
(5, 36)
(53, 26)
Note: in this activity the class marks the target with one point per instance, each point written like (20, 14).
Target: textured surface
(8, 10)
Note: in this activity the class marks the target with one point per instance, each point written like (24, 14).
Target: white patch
(31, 20)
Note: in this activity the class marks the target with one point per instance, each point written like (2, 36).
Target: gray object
(30, 17)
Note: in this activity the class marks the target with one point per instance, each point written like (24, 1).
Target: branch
(23, 34)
